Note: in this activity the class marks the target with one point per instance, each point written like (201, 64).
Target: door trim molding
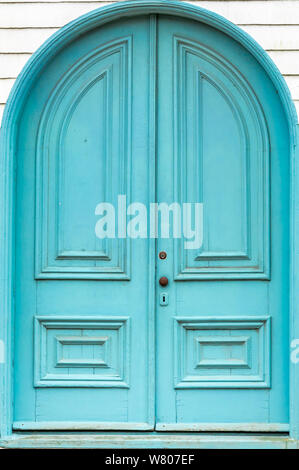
(79, 426)
(11, 118)
(223, 427)
(148, 441)
(185, 427)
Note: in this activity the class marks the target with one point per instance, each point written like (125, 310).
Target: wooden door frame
(9, 129)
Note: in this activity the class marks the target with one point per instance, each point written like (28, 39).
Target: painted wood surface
(144, 441)
(191, 302)
(98, 286)
(208, 312)
(221, 158)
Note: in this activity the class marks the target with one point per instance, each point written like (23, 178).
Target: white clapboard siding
(1, 111)
(293, 84)
(5, 87)
(286, 61)
(255, 12)
(271, 38)
(23, 40)
(36, 15)
(12, 64)
(67, 1)
(281, 38)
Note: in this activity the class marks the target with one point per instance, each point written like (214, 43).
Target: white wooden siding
(25, 25)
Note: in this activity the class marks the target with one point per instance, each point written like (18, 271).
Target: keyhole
(163, 299)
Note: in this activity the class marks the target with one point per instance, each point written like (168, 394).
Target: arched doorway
(159, 105)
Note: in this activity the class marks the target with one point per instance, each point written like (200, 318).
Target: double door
(145, 110)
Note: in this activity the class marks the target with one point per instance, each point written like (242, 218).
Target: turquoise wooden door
(223, 338)
(82, 302)
(165, 110)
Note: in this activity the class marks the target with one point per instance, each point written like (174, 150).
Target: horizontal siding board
(281, 38)
(206, 2)
(293, 84)
(18, 15)
(67, 1)
(23, 40)
(269, 37)
(1, 112)
(21, 15)
(255, 12)
(286, 61)
(5, 87)
(103, 1)
(12, 64)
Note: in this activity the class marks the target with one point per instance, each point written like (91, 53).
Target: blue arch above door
(103, 15)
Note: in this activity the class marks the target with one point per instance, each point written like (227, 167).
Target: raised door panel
(83, 158)
(222, 155)
(222, 352)
(82, 351)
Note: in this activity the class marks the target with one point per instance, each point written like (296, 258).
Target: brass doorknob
(163, 281)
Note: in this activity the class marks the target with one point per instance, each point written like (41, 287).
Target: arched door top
(103, 15)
